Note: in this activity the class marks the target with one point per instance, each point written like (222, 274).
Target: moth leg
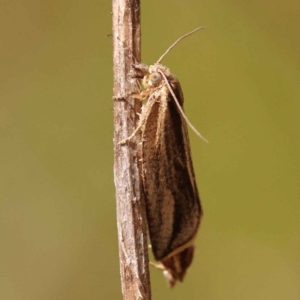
(125, 141)
(157, 266)
(143, 117)
(138, 96)
(170, 276)
(142, 95)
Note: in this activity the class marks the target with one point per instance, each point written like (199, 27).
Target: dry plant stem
(131, 219)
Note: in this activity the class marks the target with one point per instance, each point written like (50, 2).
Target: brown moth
(172, 199)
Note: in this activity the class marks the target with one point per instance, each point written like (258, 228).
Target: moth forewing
(172, 200)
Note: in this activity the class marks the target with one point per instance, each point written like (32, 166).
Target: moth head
(152, 80)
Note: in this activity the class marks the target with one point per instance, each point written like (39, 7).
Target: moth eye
(154, 79)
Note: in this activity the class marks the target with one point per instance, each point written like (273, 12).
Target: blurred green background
(241, 80)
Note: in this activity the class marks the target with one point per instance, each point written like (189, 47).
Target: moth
(172, 200)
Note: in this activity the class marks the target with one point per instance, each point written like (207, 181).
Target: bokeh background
(241, 80)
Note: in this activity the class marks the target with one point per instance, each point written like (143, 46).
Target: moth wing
(173, 203)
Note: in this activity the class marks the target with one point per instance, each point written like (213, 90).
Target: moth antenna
(177, 41)
(180, 108)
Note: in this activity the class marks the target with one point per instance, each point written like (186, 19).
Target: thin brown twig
(131, 219)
